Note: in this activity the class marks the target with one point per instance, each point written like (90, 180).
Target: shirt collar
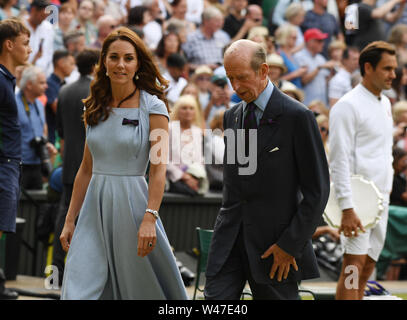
(264, 97)
(7, 73)
(57, 79)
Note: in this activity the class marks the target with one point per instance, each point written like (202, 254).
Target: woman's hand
(66, 235)
(147, 237)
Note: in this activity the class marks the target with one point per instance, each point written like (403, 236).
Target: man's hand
(350, 223)
(190, 181)
(282, 262)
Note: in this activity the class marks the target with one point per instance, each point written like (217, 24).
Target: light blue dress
(102, 261)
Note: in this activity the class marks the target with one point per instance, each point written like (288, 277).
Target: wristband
(153, 212)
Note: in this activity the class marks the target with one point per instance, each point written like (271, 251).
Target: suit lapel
(269, 122)
(237, 117)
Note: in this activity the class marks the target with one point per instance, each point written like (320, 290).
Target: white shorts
(371, 242)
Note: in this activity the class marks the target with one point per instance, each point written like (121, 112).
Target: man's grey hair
(259, 57)
(30, 74)
(211, 12)
(103, 19)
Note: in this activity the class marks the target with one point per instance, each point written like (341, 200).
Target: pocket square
(129, 121)
(275, 149)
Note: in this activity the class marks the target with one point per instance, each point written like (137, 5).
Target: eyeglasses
(203, 78)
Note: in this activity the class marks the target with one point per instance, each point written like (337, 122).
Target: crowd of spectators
(313, 50)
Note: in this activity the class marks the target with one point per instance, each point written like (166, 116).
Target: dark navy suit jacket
(283, 201)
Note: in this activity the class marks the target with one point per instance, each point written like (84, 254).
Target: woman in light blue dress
(119, 249)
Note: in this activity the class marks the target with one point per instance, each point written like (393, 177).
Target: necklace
(127, 98)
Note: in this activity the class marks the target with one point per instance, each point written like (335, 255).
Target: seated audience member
(319, 70)
(175, 74)
(36, 149)
(237, 25)
(192, 89)
(64, 64)
(8, 9)
(139, 17)
(341, 82)
(220, 98)
(100, 10)
(400, 124)
(66, 14)
(179, 10)
(286, 37)
(398, 86)
(205, 45)
(83, 21)
(335, 51)
(398, 37)
(153, 29)
(276, 69)
(398, 196)
(318, 107)
(323, 125)
(105, 24)
(75, 42)
(202, 79)
(319, 18)
(169, 44)
(294, 16)
(185, 170)
(290, 89)
(259, 34)
(279, 13)
(176, 26)
(214, 152)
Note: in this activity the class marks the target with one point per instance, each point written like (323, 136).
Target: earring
(107, 74)
(136, 77)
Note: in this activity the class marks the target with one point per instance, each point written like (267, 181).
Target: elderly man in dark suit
(71, 129)
(271, 207)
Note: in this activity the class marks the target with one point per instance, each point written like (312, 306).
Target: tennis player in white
(361, 143)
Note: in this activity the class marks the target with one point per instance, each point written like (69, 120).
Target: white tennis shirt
(360, 142)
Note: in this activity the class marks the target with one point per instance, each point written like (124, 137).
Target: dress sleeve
(157, 106)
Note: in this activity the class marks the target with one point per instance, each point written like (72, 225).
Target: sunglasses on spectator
(203, 78)
(323, 129)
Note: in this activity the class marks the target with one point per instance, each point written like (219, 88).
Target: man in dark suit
(71, 129)
(271, 207)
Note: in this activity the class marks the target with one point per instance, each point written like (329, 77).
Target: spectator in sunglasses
(323, 124)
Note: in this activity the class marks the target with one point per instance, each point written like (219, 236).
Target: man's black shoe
(8, 294)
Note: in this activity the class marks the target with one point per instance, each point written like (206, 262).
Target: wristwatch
(153, 212)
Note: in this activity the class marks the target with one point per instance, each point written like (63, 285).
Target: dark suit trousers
(58, 254)
(230, 281)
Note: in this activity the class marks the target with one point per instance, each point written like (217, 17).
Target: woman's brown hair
(149, 77)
